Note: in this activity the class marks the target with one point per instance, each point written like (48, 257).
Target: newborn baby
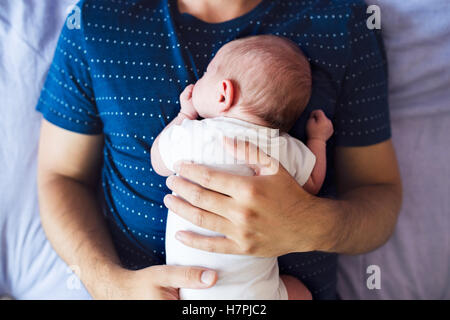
(254, 89)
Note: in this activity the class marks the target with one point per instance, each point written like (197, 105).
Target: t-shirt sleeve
(179, 142)
(296, 158)
(67, 99)
(362, 114)
(305, 162)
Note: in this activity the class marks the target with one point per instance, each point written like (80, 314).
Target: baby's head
(264, 78)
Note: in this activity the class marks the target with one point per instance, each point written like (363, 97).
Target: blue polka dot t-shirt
(120, 74)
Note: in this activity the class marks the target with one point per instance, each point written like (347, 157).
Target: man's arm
(370, 196)
(68, 172)
(253, 211)
(69, 166)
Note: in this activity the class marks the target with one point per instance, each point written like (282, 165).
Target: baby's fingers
(187, 92)
(318, 114)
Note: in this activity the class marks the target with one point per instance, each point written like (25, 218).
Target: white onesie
(201, 141)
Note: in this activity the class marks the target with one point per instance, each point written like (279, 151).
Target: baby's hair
(272, 75)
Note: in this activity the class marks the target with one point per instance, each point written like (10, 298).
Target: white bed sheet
(415, 263)
(29, 268)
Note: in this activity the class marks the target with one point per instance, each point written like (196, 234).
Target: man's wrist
(333, 225)
(103, 279)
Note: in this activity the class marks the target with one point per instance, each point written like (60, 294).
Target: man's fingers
(252, 155)
(198, 196)
(183, 277)
(209, 178)
(205, 243)
(197, 216)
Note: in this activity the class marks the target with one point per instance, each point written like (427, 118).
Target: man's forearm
(364, 218)
(72, 220)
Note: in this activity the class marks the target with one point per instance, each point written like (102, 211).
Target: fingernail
(208, 277)
(169, 181)
(167, 199)
(176, 167)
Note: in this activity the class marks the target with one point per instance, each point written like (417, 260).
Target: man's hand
(319, 126)
(155, 283)
(266, 215)
(269, 214)
(187, 107)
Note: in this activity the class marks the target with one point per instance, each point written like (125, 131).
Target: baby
(254, 89)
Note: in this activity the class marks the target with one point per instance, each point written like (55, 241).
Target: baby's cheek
(200, 109)
(198, 97)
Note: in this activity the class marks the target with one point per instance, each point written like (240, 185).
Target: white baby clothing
(201, 141)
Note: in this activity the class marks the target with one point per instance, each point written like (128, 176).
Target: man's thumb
(185, 277)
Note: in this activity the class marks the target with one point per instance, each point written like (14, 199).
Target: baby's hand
(187, 107)
(319, 126)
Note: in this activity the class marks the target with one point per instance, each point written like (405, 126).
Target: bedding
(29, 268)
(415, 263)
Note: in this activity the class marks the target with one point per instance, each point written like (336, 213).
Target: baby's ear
(226, 95)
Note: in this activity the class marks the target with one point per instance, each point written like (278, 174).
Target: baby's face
(206, 95)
